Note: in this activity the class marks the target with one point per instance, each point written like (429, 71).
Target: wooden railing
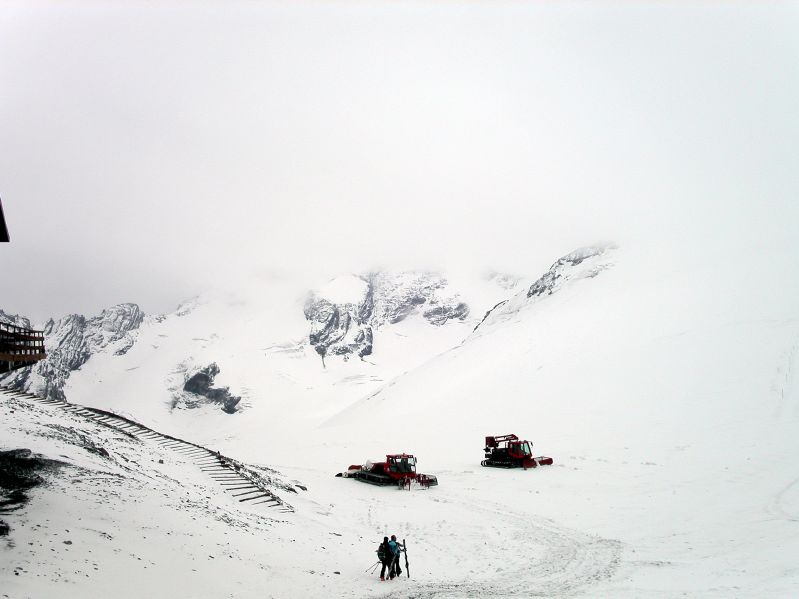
(19, 347)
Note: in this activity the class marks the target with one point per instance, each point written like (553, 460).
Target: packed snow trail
(550, 561)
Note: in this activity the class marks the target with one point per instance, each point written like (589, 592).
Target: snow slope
(666, 392)
(145, 521)
(258, 335)
(663, 384)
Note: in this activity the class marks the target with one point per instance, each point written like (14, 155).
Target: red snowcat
(507, 451)
(399, 469)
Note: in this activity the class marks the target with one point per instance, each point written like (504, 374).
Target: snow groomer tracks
(245, 484)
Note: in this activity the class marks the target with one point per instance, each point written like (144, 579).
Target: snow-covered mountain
(582, 263)
(388, 321)
(15, 319)
(661, 382)
(70, 342)
(665, 388)
(345, 313)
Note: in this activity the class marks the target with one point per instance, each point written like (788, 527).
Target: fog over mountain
(153, 150)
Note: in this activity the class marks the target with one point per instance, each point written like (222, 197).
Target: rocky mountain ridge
(582, 263)
(70, 341)
(345, 326)
(344, 317)
(15, 319)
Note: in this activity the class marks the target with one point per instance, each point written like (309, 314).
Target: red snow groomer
(399, 469)
(507, 451)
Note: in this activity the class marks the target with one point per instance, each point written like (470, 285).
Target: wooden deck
(19, 347)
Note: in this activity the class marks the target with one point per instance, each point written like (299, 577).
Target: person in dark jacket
(386, 557)
(396, 549)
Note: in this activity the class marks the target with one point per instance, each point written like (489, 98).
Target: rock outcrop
(583, 263)
(19, 474)
(564, 269)
(344, 324)
(200, 388)
(340, 325)
(15, 319)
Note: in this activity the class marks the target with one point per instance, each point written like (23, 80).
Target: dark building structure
(19, 347)
(3, 228)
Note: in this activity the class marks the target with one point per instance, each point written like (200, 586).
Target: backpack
(381, 552)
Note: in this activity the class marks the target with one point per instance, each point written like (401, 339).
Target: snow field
(664, 388)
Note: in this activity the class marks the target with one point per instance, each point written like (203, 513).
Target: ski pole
(371, 569)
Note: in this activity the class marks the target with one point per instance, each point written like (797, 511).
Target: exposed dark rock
(402, 311)
(441, 314)
(549, 280)
(19, 473)
(489, 312)
(200, 383)
(101, 451)
(565, 269)
(341, 329)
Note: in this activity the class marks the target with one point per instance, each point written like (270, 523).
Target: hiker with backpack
(396, 550)
(386, 557)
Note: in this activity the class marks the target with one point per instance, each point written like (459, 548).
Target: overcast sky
(148, 150)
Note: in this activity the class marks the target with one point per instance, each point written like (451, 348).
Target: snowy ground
(129, 526)
(665, 389)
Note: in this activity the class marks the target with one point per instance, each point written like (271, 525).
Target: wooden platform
(19, 347)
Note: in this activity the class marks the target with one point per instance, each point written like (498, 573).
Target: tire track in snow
(784, 383)
(560, 561)
(777, 507)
